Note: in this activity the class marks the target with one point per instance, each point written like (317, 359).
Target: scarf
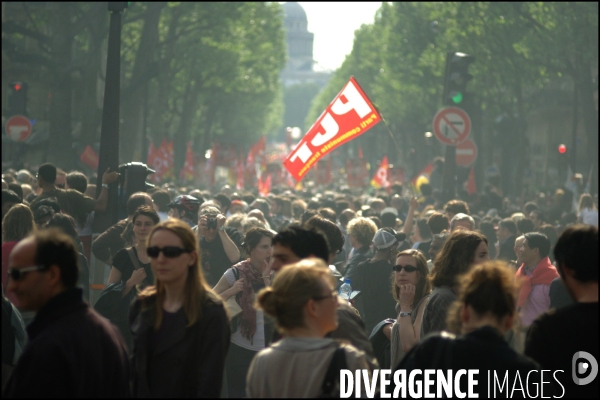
(543, 274)
(245, 298)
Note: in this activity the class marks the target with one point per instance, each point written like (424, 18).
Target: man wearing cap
(220, 246)
(372, 278)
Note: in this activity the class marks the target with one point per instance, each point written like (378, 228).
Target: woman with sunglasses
(251, 332)
(463, 250)
(411, 289)
(303, 302)
(132, 266)
(180, 327)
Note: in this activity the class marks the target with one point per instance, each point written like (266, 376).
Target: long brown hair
(456, 257)
(17, 223)
(196, 290)
(423, 285)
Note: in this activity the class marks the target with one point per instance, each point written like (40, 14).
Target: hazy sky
(333, 25)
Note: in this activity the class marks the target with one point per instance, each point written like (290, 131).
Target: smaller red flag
(380, 179)
(471, 185)
(89, 157)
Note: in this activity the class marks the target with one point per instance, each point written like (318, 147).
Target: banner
(89, 157)
(423, 176)
(349, 115)
(380, 179)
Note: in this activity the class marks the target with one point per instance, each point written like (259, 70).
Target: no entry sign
(18, 128)
(451, 126)
(466, 153)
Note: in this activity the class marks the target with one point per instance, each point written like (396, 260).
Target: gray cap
(384, 239)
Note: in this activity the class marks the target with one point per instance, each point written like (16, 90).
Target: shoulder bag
(233, 308)
(110, 302)
(330, 388)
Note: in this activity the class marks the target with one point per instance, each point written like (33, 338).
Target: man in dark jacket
(72, 351)
(507, 234)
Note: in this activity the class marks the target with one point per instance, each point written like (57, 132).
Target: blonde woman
(360, 234)
(411, 288)
(303, 302)
(180, 327)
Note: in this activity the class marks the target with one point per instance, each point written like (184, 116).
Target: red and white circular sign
(466, 153)
(18, 128)
(451, 126)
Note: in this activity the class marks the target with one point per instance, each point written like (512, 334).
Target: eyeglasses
(17, 274)
(168, 251)
(407, 268)
(332, 295)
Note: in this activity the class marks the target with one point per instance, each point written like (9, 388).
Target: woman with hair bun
(486, 308)
(303, 302)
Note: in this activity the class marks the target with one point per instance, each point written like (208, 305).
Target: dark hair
(333, 234)
(254, 236)
(341, 205)
(456, 207)
(51, 202)
(17, 223)
(77, 180)
(161, 198)
(223, 200)
(426, 189)
(423, 287)
(437, 222)
(136, 200)
(53, 247)
(456, 257)
(146, 211)
(508, 223)
(308, 214)
(388, 220)
(577, 250)
(525, 225)
(263, 206)
(42, 212)
(539, 241)
(344, 216)
(65, 223)
(9, 196)
(303, 242)
(17, 189)
(529, 207)
(327, 213)
(424, 230)
(487, 228)
(47, 172)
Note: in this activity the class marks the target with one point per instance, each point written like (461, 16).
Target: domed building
(299, 67)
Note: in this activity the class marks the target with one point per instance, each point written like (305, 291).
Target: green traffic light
(457, 98)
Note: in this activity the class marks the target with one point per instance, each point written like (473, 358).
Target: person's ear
(194, 256)
(311, 308)
(53, 275)
(465, 313)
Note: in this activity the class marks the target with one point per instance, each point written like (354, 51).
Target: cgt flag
(349, 115)
(380, 179)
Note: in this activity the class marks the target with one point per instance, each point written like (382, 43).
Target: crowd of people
(228, 293)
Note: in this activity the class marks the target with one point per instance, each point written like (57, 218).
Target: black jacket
(507, 249)
(483, 349)
(72, 352)
(184, 362)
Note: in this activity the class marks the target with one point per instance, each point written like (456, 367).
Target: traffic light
(456, 78)
(17, 99)
(118, 6)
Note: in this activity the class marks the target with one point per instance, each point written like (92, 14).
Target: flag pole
(389, 131)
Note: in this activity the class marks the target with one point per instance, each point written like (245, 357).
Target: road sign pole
(449, 181)
(109, 136)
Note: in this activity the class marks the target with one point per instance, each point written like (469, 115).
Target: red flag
(349, 115)
(380, 179)
(89, 157)
(265, 186)
(187, 172)
(158, 159)
(425, 172)
(240, 175)
(471, 185)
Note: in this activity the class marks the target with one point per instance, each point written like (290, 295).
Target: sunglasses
(17, 274)
(168, 251)
(407, 268)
